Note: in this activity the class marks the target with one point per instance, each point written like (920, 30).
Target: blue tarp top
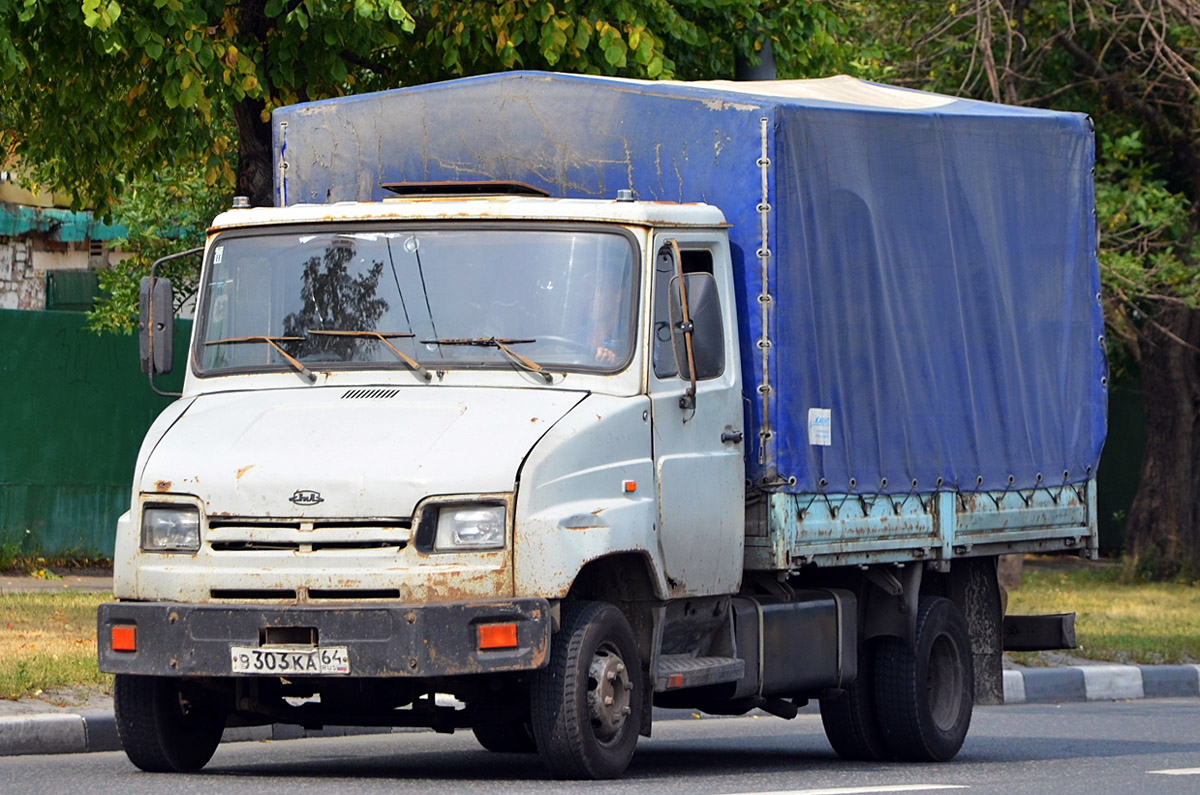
(935, 321)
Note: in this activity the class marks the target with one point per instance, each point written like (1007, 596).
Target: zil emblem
(306, 497)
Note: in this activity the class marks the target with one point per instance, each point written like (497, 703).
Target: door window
(704, 311)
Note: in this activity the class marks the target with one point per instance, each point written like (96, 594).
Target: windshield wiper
(383, 337)
(502, 345)
(274, 343)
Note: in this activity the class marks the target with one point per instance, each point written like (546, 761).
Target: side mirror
(708, 338)
(156, 325)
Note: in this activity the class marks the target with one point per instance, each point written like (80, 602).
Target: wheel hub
(609, 693)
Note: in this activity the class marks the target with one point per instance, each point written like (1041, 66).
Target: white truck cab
(358, 369)
(409, 428)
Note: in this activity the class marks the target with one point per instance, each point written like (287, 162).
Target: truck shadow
(670, 759)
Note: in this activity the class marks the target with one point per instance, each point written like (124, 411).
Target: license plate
(310, 661)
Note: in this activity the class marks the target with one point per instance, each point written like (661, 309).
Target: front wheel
(924, 695)
(507, 738)
(586, 705)
(166, 725)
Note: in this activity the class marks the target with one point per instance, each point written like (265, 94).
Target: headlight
(170, 528)
(469, 527)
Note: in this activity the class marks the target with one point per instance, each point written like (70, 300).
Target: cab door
(698, 437)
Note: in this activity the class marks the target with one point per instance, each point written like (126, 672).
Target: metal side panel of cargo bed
(785, 531)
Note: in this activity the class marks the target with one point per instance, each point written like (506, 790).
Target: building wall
(21, 286)
(38, 234)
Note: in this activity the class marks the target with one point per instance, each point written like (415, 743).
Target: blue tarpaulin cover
(935, 321)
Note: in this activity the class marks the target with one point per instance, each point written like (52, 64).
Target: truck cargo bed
(785, 531)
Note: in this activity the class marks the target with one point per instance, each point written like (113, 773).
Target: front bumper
(175, 639)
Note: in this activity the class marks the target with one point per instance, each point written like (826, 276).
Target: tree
(1134, 66)
(138, 86)
(165, 215)
(133, 86)
(166, 103)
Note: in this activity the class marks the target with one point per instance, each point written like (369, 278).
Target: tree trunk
(254, 177)
(1163, 531)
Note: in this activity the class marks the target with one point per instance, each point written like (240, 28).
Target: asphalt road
(1147, 746)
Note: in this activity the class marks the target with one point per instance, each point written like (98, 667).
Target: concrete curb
(88, 732)
(1100, 683)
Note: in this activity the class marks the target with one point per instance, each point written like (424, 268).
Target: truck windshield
(405, 298)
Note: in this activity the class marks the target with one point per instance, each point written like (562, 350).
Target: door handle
(731, 437)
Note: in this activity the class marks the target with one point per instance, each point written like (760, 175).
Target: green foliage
(1147, 251)
(104, 93)
(22, 551)
(16, 548)
(107, 92)
(164, 216)
(655, 39)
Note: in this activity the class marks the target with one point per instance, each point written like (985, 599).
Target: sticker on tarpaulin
(820, 427)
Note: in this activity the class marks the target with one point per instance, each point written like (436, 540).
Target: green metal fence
(74, 408)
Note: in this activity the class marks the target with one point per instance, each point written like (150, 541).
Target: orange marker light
(674, 681)
(124, 639)
(630, 486)
(498, 636)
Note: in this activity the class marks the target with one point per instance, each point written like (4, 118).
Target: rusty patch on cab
(162, 485)
(244, 470)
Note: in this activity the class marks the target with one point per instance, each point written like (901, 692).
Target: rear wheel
(166, 725)
(851, 721)
(507, 738)
(586, 705)
(924, 695)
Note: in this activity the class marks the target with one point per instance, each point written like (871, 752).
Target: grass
(48, 643)
(1117, 620)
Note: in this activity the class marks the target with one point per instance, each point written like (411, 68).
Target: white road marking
(857, 790)
(1182, 771)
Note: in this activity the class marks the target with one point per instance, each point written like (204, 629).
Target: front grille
(261, 534)
(296, 546)
(289, 595)
(352, 593)
(257, 594)
(317, 524)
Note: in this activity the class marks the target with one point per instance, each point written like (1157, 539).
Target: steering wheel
(568, 343)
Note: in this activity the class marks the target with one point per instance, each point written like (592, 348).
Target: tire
(851, 721)
(924, 695)
(586, 705)
(166, 725)
(507, 738)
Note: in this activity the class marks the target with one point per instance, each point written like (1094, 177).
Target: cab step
(679, 671)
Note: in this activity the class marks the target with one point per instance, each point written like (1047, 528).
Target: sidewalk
(31, 726)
